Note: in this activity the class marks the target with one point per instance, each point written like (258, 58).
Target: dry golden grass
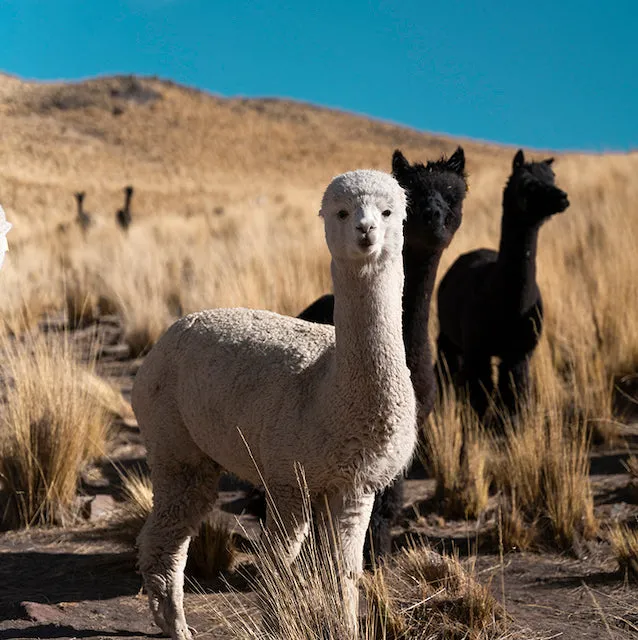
(212, 551)
(137, 492)
(624, 542)
(54, 421)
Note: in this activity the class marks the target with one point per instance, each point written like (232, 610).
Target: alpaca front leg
(478, 374)
(514, 384)
(448, 361)
(350, 516)
(387, 507)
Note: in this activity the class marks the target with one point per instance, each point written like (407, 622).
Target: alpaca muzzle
(562, 201)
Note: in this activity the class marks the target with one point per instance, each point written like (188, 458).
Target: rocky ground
(81, 582)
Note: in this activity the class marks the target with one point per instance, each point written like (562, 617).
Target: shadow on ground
(52, 578)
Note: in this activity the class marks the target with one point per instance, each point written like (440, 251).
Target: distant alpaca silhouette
(489, 303)
(83, 218)
(124, 216)
(435, 209)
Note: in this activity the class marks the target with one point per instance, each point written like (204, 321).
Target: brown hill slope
(184, 149)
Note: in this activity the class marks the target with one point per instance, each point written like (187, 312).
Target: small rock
(101, 506)
(42, 613)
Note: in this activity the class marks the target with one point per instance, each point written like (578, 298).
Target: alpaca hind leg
(385, 511)
(350, 516)
(183, 494)
(514, 384)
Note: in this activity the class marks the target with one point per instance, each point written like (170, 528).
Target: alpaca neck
(420, 274)
(369, 350)
(127, 201)
(80, 212)
(517, 263)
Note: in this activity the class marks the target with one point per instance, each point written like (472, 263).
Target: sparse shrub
(55, 420)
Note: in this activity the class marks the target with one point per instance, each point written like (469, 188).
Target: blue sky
(545, 74)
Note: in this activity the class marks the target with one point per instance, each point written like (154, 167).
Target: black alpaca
(435, 207)
(489, 303)
(124, 216)
(83, 219)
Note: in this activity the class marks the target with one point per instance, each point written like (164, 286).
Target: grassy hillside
(226, 196)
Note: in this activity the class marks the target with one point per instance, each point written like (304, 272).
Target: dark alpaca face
(435, 199)
(532, 189)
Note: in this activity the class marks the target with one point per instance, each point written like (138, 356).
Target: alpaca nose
(563, 200)
(437, 207)
(365, 227)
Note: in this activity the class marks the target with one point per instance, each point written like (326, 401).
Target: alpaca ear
(519, 160)
(549, 161)
(399, 163)
(457, 161)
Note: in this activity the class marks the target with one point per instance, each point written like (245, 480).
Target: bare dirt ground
(81, 582)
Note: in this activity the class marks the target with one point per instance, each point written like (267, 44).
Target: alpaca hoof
(184, 632)
(161, 623)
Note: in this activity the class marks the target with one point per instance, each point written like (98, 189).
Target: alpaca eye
(343, 214)
(387, 213)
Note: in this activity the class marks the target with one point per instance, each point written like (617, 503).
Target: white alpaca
(336, 400)
(5, 227)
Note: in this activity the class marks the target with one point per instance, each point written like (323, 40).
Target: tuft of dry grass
(456, 450)
(543, 475)
(424, 594)
(55, 420)
(624, 542)
(211, 552)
